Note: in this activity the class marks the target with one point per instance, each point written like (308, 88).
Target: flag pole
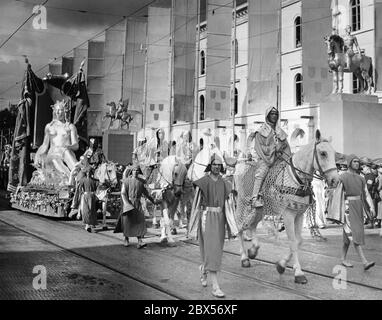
(196, 93)
(233, 59)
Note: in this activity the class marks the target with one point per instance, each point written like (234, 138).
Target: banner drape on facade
(218, 66)
(158, 55)
(185, 20)
(134, 68)
(316, 23)
(263, 54)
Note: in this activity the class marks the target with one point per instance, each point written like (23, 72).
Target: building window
(298, 31)
(355, 15)
(202, 63)
(236, 44)
(356, 84)
(201, 113)
(298, 88)
(236, 101)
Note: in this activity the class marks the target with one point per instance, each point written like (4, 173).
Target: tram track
(187, 242)
(263, 282)
(149, 284)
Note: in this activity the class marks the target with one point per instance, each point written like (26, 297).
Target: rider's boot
(258, 201)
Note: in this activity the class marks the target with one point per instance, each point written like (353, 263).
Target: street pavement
(82, 265)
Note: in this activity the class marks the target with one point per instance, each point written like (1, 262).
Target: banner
(263, 54)
(185, 20)
(316, 24)
(158, 68)
(134, 68)
(218, 67)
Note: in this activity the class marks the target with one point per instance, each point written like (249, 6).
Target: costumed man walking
(92, 158)
(270, 143)
(87, 187)
(354, 187)
(132, 219)
(208, 220)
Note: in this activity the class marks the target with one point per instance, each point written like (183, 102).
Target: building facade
(155, 62)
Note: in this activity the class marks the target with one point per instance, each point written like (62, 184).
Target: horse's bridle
(320, 176)
(320, 170)
(170, 185)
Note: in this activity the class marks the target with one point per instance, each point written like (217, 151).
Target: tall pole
(172, 53)
(280, 64)
(233, 62)
(196, 90)
(145, 85)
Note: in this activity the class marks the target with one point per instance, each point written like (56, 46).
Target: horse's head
(324, 160)
(112, 106)
(335, 44)
(106, 173)
(172, 174)
(178, 177)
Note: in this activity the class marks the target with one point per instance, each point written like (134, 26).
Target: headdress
(215, 157)
(350, 159)
(61, 105)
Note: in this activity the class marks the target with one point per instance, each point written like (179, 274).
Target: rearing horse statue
(361, 65)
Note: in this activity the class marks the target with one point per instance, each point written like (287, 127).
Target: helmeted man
(349, 42)
(270, 143)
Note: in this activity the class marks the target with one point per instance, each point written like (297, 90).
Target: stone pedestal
(118, 146)
(354, 122)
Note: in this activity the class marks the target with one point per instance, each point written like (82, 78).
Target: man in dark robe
(132, 219)
(355, 190)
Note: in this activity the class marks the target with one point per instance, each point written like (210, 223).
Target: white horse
(106, 174)
(286, 191)
(169, 187)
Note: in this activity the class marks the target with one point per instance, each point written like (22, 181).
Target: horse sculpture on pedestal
(361, 66)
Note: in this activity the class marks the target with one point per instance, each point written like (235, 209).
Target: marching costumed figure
(132, 219)
(186, 148)
(209, 220)
(157, 148)
(270, 143)
(87, 187)
(355, 200)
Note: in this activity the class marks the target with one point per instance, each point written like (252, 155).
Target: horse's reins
(322, 174)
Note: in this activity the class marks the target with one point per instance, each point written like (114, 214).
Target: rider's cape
(265, 146)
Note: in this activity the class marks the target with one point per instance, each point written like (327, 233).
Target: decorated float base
(45, 202)
(56, 203)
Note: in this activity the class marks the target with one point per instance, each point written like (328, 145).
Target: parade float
(50, 147)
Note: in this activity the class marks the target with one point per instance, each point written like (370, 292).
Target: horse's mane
(336, 38)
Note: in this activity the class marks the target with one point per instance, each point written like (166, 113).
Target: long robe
(211, 229)
(87, 187)
(132, 218)
(354, 185)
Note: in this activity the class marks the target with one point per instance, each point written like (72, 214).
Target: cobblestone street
(82, 265)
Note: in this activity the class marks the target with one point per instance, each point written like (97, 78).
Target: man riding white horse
(270, 143)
